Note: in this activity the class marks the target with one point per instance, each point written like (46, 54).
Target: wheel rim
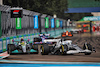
(62, 49)
(86, 46)
(42, 49)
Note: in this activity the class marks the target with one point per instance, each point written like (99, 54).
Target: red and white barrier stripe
(4, 55)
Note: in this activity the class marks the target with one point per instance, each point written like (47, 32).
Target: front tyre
(87, 53)
(63, 49)
(45, 49)
(88, 47)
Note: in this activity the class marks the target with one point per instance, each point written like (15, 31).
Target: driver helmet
(43, 34)
(22, 39)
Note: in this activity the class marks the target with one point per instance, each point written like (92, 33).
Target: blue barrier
(14, 37)
(1, 45)
(50, 65)
(7, 41)
(36, 34)
(20, 37)
(29, 36)
(25, 36)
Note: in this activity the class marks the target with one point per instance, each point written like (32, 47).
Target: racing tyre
(45, 49)
(63, 49)
(87, 53)
(37, 39)
(35, 47)
(89, 47)
(10, 48)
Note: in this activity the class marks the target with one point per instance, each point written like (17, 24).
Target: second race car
(22, 46)
(41, 38)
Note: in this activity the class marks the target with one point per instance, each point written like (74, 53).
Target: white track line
(46, 62)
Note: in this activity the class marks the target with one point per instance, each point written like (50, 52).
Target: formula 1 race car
(41, 38)
(64, 47)
(66, 34)
(22, 46)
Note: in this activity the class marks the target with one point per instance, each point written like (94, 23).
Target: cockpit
(69, 42)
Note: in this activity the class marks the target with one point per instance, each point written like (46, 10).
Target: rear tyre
(35, 47)
(87, 46)
(87, 53)
(63, 49)
(45, 49)
(10, 48)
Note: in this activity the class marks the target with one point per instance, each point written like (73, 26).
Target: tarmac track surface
(80, 39)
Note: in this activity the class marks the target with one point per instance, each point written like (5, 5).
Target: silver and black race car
(22, 46)
(64, 47)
